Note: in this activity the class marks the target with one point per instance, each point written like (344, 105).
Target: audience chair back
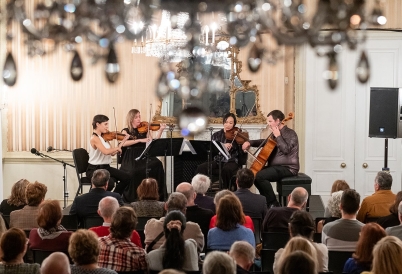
(92, 221)
(274, 240)
(70, 222)
(141, 226)
(6, 219)
(257, 229)
(40, 255)
(337, 260)
(81, 157)
(267, 259)
(317, 238)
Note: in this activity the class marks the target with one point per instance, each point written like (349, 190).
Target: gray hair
(176, 201)
(219, 262)
(107, 206)
(219, 195)
(384, 180)
(299, 196)
(334, 202)
(201, 183)
(243, 250)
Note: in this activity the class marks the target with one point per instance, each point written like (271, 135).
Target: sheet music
(145, 150)
(222, 149)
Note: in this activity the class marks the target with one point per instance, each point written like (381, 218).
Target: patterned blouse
(149, 208)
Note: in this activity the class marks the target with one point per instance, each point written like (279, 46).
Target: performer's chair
(286, 185)
(81, 157)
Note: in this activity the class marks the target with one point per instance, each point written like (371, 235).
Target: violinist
(150, 167)
(283, 160)
(100, 154)
(229, 167)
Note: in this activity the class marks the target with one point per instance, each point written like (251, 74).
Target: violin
(237, 134)
(143, 127)
(111, 135)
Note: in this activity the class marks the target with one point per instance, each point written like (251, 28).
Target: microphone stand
(171, 128)
(209, 170)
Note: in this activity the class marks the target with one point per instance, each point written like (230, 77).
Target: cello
(266, 150)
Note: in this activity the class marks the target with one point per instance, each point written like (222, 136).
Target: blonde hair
(17, 196)
(387, 256)
(130, 117)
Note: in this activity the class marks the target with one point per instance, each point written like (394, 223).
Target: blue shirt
(351, 266)
(223, 240)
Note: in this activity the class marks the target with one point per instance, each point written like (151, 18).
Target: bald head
(57, 262)
(107, 206)
(298, 197)
(188, 191)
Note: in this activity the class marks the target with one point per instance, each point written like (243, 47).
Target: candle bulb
(206, 35)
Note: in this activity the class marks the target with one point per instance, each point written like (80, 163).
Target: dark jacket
(254, 205)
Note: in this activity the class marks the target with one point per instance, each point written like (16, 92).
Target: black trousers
(267, 175)
(227, 170)
(115, 173)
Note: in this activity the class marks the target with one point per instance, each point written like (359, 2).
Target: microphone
(50, 148)
(34, 151)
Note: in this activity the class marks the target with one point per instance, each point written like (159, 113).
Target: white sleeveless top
(96, 157)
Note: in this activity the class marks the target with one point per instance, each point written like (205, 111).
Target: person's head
(245, 178)
(219, 195)
(400, 212)
(188, 191)
(229, 213)
(148, 190)
(107, 207)
(350, 202)
(301, 224)
(13, 244)
(387, 254)
(229, 121)
(274, 118)
(57, 262)
(83, 247)
(298, 262)
(49, 215)
(35, 193)
(370, 234)
(124, 221)
(201, 183)
(17, 197)
(243, 253)
(334, 203)
(383, 181)
(218, 262)
(100, 121)
(176, 201)
(298, 198)
(398, 199)
(339, 185)
(133, 119)
(100, 178)
(171, 271)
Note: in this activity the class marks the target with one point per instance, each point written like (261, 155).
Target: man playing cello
(283, 160)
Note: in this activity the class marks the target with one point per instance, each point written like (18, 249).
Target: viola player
(283, 160)
(229, 167)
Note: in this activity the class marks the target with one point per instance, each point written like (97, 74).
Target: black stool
(286, 185)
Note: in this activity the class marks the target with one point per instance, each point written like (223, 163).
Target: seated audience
(201, 185)
(87, 204)
(13, 245)
(277, 218)
(117, 252)
(363, 257)
(248, 222)
(396, 230)
(154, 233)
(176, 252)
(84, 251)
(334, 203)
(50, 235)
(387, 254)
(171, 271)
(392, 219)
(343, 234)
(57, 262)
(148, 204)
(302, 224)
(218, 262)
(17, 198)
(298, 262)
(26, 218)
(107, 207)
(229, 228)
(338, 185)
(254, 205)
(378, 204)
(243, 254)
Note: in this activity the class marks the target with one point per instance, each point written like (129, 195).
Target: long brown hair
(370, 234)
(148, 190)
(229, 213)
(339, 185)
(17, 196)
(394, 208)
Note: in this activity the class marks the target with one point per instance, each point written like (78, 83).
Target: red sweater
(104, 231)
(249, 223)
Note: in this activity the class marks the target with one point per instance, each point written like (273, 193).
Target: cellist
(283, 160)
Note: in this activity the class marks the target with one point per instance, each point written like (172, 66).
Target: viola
(112, 135)
(143, 127)
(237, 134)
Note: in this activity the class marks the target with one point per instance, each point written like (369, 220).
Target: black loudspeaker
(385, 113)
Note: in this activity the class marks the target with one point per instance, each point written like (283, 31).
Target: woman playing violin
(229, 167)
(100, 154)
(144, 168)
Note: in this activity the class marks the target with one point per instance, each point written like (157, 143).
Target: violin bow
(115, 124)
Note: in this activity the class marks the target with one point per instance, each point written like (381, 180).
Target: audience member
(57, 262)
(148, 204)
(87, 204)
(378, 204)
(243, 253)
(338, 185)
(218, 262)
(176, 252)
(229, 228)
(26, 218)
(84, 251)
(298, 262)
(17, 198)
(117, 252)
(154, 228)
(201, 185)
(248, 222)
(277, 218)
(171, 271)
(396, 230)
(362, 259)
(107, 207)
(343, 234)
(254, 205)
(393, 218)
(50, 235)
(334, 203)
(13, 245)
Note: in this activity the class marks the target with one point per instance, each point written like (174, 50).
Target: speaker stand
(386, 168)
